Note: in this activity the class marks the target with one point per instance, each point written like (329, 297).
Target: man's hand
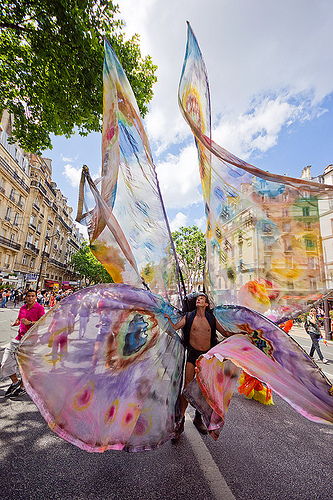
(26, 321)
(15, 323)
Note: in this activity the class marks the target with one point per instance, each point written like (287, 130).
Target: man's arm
(180, 324)
(220, 329)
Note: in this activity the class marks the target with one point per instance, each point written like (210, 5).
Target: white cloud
(201, 223)
(259, 129)
(68, 159)
(179, 179)
(179, 221)
(251, 49)
(73, 174)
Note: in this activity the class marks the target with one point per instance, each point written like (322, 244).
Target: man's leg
(315, 346)
(189, 375)
(9, 367)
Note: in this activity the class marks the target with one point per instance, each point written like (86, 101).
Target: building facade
(37, 233)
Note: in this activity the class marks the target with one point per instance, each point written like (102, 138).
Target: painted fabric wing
(103, 368)
(263, 230)
(127, 228)
(269, 354)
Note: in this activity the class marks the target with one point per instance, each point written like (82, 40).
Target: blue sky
(270, 67)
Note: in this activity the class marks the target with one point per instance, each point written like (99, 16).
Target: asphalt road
(263, 453)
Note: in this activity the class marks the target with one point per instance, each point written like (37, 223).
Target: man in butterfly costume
(119, 390)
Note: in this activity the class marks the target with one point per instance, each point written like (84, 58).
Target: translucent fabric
(104, 368)
(128, 229)
(263, 233)
(267, 353)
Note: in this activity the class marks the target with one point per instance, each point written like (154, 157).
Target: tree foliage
(190, 247)
(89, 268)
(51, 60)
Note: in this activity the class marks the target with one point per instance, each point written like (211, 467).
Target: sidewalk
(299, 331)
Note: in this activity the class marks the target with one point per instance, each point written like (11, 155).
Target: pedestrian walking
(311, 326)
(4, 298)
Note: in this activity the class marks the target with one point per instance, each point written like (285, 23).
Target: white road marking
(217, 484)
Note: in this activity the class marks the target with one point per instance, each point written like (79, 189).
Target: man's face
(201, 301)
(30, 298)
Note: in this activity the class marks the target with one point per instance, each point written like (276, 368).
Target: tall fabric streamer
(263, 230)
(128, 228)
(264, 251)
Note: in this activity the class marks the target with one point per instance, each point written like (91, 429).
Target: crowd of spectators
(47, 298)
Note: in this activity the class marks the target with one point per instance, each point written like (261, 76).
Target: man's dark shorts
(193, 354)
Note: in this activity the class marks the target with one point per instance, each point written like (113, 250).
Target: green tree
(89, 268)
(51, 60)
(190, 247)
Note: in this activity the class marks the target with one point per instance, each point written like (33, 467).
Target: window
(313, 284)
(308, 226)
(285, 212)
(20, 201)
(267, 229)
(12, 194)
(287, 245)
(32, 262)
(25, 259)
(306, 211)
(7, 217)
(310, 244)
(16, 219)
(311, 263)
(267, 262)
(12, 238)
(29, 238)
(33, 221)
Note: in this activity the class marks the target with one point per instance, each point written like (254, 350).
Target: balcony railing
(50, 222)
(38, 185)
(72, 242)
(19, 204)
(32, 247)
(2, 190)
(12, 172)
(36, 207)
(69, 229)
(9, 243)
(50, 188)
(57, 263)
(55, 208)
(32, 226)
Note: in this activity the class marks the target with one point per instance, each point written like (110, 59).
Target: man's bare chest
(200, 334)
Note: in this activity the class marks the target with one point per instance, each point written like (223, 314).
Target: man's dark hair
(31, 291)
(205, 295)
